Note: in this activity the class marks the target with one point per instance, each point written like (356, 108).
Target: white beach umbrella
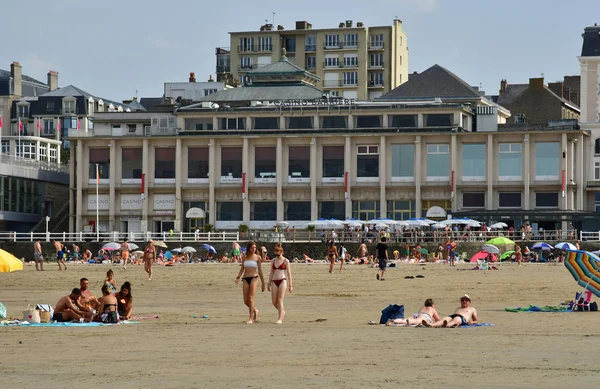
(111, 246)
(188, 249)
(498, 226)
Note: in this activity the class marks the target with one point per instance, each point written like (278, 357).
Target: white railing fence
(221, 236)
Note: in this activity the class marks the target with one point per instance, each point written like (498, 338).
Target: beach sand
(523, 350)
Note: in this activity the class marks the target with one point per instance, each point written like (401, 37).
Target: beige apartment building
(352, 61)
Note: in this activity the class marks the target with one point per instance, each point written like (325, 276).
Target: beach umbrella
(381, 226)
(209, 248)
(133, 246)
(416, 222)
(507, 254)
(438, 226)
(136, 253)
(283, 224)
(9, 263)
(177, 250)
(169, 255)
(498, 226)
(565, 246)
(159, 243)
(423, 251)
(585, 268)
(541, 246)
(111, 246)
(188, 249)
(490, 248)
(500, 241)
(482, 256)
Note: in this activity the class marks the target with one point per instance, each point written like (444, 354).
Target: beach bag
(2, 311)
(46, 312)
(393, 311)
(31, 315)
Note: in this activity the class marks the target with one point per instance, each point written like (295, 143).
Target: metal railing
(255, 48)
(32, 164)
(69, 237)
(589, 236)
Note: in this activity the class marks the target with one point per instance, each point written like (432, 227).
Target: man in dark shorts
(381, 251)
(67, 309)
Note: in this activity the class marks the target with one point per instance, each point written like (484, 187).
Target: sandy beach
(523, 350)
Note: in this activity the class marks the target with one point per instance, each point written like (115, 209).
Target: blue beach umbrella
(209, 248)
(542, 246)
(565, 246)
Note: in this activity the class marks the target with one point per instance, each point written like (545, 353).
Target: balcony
(374, 66)
(310, 48)
(255, 49)
(375, 84)
(223, 69)
(594, 184)
(246, 68)
(374, 46)
(338, 84)
(341, 46)
(339, 65)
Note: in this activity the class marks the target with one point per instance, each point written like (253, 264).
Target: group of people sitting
(81, 305)
(429, 317)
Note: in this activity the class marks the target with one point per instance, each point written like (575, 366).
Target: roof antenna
(273, 18)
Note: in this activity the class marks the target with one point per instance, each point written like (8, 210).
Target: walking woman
(250, 271)
(125, 253)
(149, 258)
(332, 254)
(279, 279)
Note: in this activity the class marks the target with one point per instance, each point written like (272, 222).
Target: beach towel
(57, 324)
(478, 325)
(534, 308)
(138, 318)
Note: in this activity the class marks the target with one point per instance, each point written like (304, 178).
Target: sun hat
(466, 297)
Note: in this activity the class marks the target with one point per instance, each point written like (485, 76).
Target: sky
(115, 49)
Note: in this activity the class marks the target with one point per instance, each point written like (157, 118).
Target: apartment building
(262, 154)
(353, 61)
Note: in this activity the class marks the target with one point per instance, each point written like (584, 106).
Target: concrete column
(350, 122)
(79, 187)
(48, 152)
(385, 123)
(178, 179)
(348, 169)
(146, 170)
(418, 175)
(112, 175)
(490, 174)
(580, 180)
(526, 155)
(248, 123)
(420, 121)
(37, 150)
(279, 175)
(316, 125)
(453, 165)
(382, 176)
(72, 187)
(314, 206)
(212, 178)
(572, 174)
(246, 201)
(564, 157)
(215, 123)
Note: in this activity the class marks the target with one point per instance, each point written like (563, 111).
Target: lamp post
(47, 231)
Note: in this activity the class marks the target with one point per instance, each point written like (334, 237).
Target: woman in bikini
(250, 271)
(332, 254)
(125, 301)
(149, 257)
(125, 253)
(280, 268)
(108, 307)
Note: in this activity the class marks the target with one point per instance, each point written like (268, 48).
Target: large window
(332, 41)
(48, 129)
(473, 200)
(332, 210)
(311, 61)
(299, 122)
(232, 123)
(263, 211)
(376, 41)
(365, 210)
(333, 162)
(401, 209)
(68, 122)
(546, 200)
(473, 162)
(231, 164)
(375, 78)
(510, 165)
(299, 162)
(351, 40)
(230, 211)
(297, 210)
(131, 163)
(331, 61)
(547, 161)
(509, 200)
(438, 120)
(310, 43)
(597, 202)
(350, 60)
(266, 123)
(164, 163)
(265, 164)
(102, 158)
(376, 60)
(368, 121)
(198, 163)
(438, 162)
(334, 122)
(403, 162)
(20, 195)
(350, 78)
(403, 121)
(367, 162)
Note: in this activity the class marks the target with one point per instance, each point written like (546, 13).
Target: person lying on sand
(427, 313)
(463, 315)
(66, 310)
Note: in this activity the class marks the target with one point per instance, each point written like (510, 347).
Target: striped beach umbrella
(585, 268)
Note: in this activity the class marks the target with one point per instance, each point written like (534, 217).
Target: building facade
(353, 61)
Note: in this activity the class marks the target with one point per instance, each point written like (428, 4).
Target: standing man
(381, 251)
(452, 252)
(37, 255)
(59, 253)
(125, 252)
(75, 252)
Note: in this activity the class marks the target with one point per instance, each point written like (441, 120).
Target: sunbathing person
(66, 310)
(108, 307)
(125, 301)
(463, 315)
(427, 313)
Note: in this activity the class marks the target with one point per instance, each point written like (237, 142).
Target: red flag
(243, 183)
(20, 125)
(39, 126)
(78, 125)
(0, 122)
(97, 175)
(58, 127)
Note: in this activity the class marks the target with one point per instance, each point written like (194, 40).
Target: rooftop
(591, 42)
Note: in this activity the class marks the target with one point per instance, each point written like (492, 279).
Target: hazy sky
(112, 49)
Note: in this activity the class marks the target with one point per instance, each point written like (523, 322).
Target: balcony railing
(309, 48)
(375, 84)
(338, 84)
(341, 46)
(339, 65)
(255, 49)
(223, 69)
(376, 46)
(245, 68)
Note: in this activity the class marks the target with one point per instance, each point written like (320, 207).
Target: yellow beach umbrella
(9, 262)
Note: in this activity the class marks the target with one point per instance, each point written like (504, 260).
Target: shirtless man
(37, 255)
(427, 313)
(66, 310)
(87, 300)
(75, 252)
(236, 252)
(362, 250)
(464, 315)
(59, 253)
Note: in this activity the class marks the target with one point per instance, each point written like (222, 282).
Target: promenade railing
(69, 237)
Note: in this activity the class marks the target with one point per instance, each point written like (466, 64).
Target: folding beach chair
(582, 301)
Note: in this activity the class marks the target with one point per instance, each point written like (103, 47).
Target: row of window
(20, 195)
(474, 162)
(47, 126)
(69, 107)
(27, 149)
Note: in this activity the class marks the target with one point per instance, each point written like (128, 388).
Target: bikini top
(280, 267)
(251, 264)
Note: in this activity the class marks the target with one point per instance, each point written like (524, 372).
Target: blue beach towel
(478, 325)
(57, 324)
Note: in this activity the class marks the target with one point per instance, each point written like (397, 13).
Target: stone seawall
(291, 250)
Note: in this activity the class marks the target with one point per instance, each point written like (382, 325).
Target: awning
(195, 213)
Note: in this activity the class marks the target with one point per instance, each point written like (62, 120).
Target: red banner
(452, 182)
(243, 182)
(143, 181)
(563, 180)
(346, 182)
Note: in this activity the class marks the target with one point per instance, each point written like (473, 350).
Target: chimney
(16, 73)
(341, 25)
(280, 28)
(349, 23)
(210, 79)
(557, 87)
(360, 24)
(536, 83)
(503, 84)
(52, 80)
(192, 77)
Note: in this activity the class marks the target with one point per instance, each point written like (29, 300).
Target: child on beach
(110, 281)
